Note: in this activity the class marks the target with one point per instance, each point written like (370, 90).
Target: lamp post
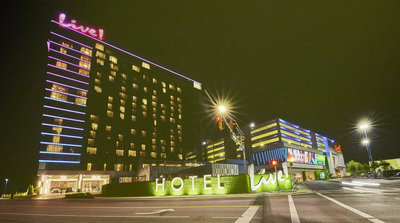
(364, 127)
(5, 188)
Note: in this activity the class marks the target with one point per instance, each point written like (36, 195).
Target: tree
(374, 165)
(365, 168)
(354, 167)
(385, 165)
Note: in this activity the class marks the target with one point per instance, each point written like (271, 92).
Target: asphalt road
(321, 201)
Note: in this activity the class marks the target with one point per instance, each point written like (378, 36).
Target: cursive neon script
(93, 32)
(271, 179)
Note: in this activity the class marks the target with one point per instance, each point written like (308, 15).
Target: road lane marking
(293, 213)
(157, 212)
(94, 216)
(248, 215)
(161, 207)
(362, 214)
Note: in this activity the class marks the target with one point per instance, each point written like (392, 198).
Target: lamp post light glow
(364, 126)
(222, 109)
(5, 188)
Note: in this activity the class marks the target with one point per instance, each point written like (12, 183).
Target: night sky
(323, 65)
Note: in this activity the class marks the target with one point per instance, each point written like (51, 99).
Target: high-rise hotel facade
(107, 110)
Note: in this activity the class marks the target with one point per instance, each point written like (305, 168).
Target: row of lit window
(60, 93)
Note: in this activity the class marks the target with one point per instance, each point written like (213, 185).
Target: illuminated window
(86, 51)
(146, 65)
(153, 154)
(163, 155)
(123, 89)
(122, 115)
(109, 106)
(135, 68)
(61, 64)
(172, 120)
(154, 81)
(142, 154)
(145, 89)
(89, 166)
(83, 71)
(179, 127)
(113, 73)
(162, 118)
(154, 135)
(105, 166)
(133, 131)
(118, 167)
(144, 133)
(108, 128)
(63, 50)
(54, 148)
(86, 58)
(124, 76)
(97, 81)
(113, 59)
(153, 141)
(111, 78)
(172, 149)
(163, 149)
(180, 116)
(143, 147)
(144, 114)
(84, 64)
(120, 137)
(122, 109)
(110, 113)
(81, 101)
(122, 95)
(130, 169)
(179, 133)
(179, 89)
(172, 110)
(91, 142)
(110, 99)
(99, 46)
(172, 143)
(95, 126)
(133, 105)
(100, 55)
(94, 118)
(69, 45)
(154, 116)
(91, 150)
(119, 152)
(132, 153)
(93, 134)
(133, 118)
(58, 95)
(113, 66)
(180, 156)
(164, 90)
(100, 61)
(172, 87)
(135, 86)
(155, 122)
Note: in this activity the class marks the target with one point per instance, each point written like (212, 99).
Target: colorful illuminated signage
(194, 185)
(300, 156)
(338, 148)
(87, 30)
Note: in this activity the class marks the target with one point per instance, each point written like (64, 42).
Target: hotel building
(305, 151)
(106, 111)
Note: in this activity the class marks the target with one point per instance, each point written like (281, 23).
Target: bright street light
(252, 125)
(5, 188)
(222, 109)
(364, 126)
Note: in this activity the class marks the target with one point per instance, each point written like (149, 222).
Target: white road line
(362, 214)
(94, 216)
(157, 212)
(248, 215)
(292, 209)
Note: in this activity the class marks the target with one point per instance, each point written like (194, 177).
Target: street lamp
(364, 127)
(5, 188)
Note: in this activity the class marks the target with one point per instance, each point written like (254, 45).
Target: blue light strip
(131, 54)
(55, 153)
(68, 78)
(68, 102)
(61, 135)
(69, 48)
(65, 54)
(60, 144)
(51, 65)
(69, 86)
(61, 109)
(64, 118)
(57, 59)
(56, 34)
(60, 92)
(62, 126)
(58, 161)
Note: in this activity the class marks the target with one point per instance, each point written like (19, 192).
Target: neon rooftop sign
(97, 33)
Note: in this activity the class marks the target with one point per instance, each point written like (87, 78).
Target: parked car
(68, 190)
(56, 191)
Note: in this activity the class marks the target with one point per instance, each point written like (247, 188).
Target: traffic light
(233, 125)
(219, 123)
(274, 162)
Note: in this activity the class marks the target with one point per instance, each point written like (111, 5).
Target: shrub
(80, 196)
